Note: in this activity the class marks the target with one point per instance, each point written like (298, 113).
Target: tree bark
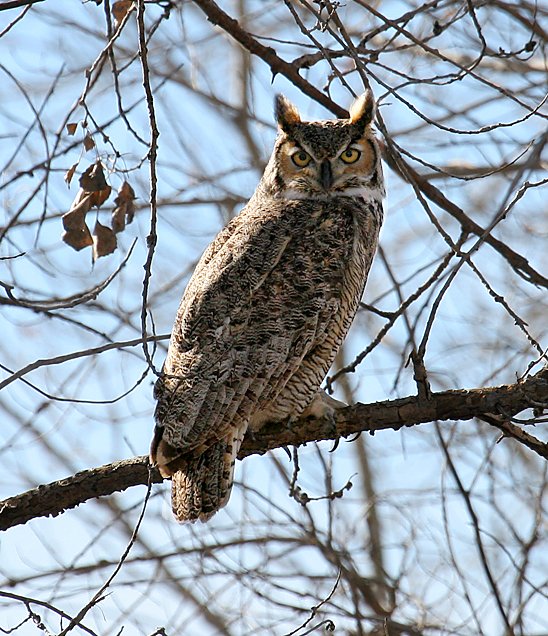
(496, 405)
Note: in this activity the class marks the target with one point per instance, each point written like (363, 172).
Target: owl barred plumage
(269, 304)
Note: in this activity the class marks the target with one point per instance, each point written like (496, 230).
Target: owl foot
(250, 434)
(288, 422)
(323, 406)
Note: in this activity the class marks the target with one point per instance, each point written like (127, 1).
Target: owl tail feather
(203, 485)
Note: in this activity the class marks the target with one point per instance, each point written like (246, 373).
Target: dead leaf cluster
(94, 191)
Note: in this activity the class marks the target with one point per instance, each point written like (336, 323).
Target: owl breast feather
(264, 314)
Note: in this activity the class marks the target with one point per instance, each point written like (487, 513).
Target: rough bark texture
(495, 405)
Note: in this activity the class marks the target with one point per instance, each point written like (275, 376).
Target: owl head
(320, 159)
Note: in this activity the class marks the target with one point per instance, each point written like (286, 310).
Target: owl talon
(323, 406)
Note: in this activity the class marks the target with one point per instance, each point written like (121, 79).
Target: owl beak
(326, 174)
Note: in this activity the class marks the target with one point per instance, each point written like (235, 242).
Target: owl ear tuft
(362, 110)
(287, 114)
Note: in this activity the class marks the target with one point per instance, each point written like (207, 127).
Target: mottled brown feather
(268, 305)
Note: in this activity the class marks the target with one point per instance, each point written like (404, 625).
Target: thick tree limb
(495, 405)
(16, 4)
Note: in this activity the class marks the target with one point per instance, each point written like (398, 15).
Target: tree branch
(278, 65)
(493, 404)
(290, 70)
(17, 4)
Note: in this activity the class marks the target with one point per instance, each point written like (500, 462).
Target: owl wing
(260, 300)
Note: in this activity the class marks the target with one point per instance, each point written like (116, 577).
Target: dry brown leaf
(104, 241)
(78, 238)
(88, 142)
(99, 197)
(71, 128)
(93, 181)
(93, 191)
(120, 10)
(125, 208)
(93, 178)
(77, 233)
(70, 173)
(75, 218)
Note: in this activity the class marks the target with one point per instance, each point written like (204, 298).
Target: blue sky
(203, 159)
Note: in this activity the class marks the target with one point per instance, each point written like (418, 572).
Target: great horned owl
(269, 303)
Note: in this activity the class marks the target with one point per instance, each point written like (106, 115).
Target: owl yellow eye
(301, 158)
(350, 155)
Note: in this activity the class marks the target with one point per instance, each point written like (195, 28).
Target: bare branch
(54, 498)
(16, 4)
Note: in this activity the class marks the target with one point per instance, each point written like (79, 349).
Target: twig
(314, 610)
(34, 601)
(477, 533)
(279, 66)
(17, 375)
(98, 596)
(51, 304)
(17, 4)
(152, 237)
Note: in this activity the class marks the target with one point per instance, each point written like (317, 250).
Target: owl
(269, 304)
